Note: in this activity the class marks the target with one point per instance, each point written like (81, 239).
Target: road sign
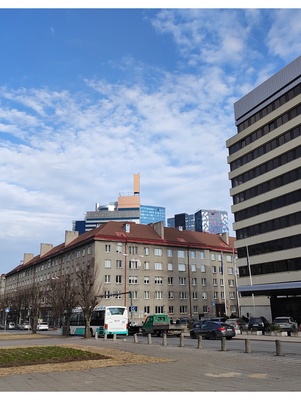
(132, 308)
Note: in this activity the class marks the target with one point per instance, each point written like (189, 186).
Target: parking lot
(189, 369)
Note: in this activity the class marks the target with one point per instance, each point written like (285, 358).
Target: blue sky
(88, 97)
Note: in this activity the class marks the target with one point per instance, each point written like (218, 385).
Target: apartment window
(158, 295)
(204, 295)
(194, 295)
(214, 282)
(212, 257)
(107, 278)
(169, 267)
(193, 267)
(222, 295)
(158, 280)
(118, 279)
(118, 263)
(219, 257)
(232, 295)
(221, 282)
(133, 250)
(203, 268)
(146, 295)
(215, 295)
(221, 269)
(169, 253)
(108, 248)
(146, 310)
(146, 265)
(170, 280)
(230, 270)
(181, 267)
(146, 251)
(89, 250)
(133, 264)
(202, 255)
(107, 263)
(205, 309)
(194, 281)
(181, 254)
(192, 254)
(159, 309)
(158, 252)
(171, 295)
(229, 258)
(134, 295)
(158, 266)
(231, 282)
(214, 269)
(204, 282)
(182, 281)
(78, 254)
(183, 309)
(133, 280)
(183, 295)
(146, 280)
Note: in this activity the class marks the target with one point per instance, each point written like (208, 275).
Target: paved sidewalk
(190, 369)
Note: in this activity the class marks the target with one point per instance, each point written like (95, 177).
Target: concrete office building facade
(265, 173)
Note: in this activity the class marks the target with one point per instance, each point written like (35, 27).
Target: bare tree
(61, 298)
(68, 300)
(35, 294)
(88, 294)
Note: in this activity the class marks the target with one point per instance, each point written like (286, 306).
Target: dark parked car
(219, 319)
(238, 323)
(212, 330)
(259, 324)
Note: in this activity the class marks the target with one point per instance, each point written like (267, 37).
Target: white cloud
(284, 37)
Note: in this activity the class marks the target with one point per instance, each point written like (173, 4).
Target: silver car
(286, 324)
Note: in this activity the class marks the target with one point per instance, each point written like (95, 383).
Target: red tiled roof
(138, 233)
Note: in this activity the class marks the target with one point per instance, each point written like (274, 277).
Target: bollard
(164, 339)
(114, 337)
(278, 348)
(149, 338)
(135, 338)
(96, 335)
(105, 336)
(223, 344)
(247, 346)
(200, 342)
(182, 340)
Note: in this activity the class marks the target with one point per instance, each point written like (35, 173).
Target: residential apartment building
(265, 173)
(211, 221)
(181, 273)
(126, 208)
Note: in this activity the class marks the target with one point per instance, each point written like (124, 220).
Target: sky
(90, 96)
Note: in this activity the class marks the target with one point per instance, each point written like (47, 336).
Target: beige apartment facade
(148, 268)
(265, 173)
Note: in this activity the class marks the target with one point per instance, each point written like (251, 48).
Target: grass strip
(21, 356)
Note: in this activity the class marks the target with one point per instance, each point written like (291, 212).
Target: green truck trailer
(158, 324)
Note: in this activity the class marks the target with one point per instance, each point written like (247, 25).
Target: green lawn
(17, 357)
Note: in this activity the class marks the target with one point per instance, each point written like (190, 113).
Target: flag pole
(223, 272)
(251, 281)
